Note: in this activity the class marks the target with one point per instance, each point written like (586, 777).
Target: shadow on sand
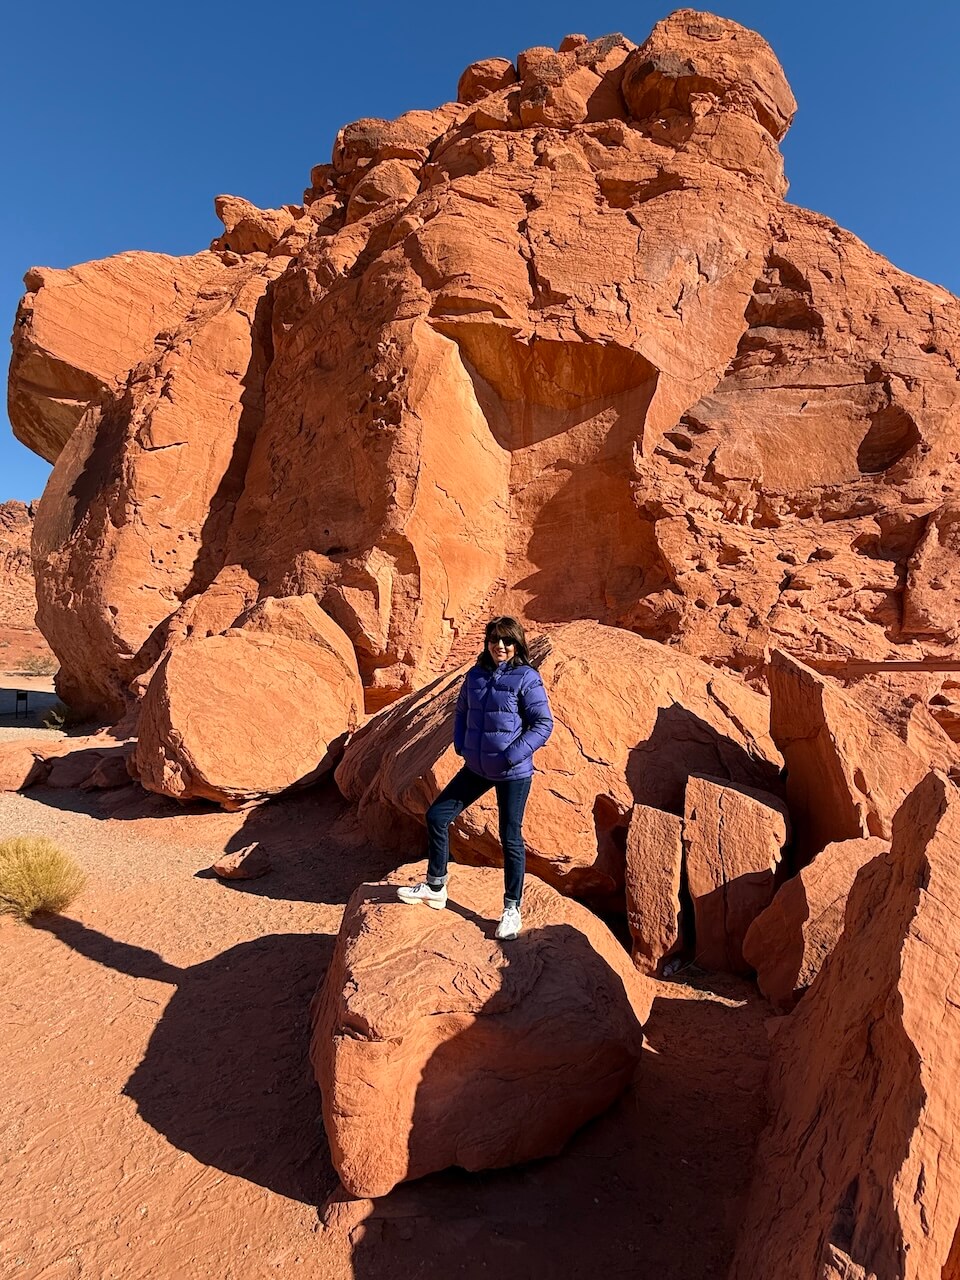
(226, 1075)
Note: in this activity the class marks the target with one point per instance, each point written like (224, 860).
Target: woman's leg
(511, 801)
(466, 787)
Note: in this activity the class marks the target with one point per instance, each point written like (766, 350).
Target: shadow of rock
(317, 850)
(226, 1075)
(682, 744)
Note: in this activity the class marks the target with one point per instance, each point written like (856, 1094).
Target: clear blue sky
(123, 121)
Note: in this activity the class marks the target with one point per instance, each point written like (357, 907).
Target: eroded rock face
(303, 697)
(847, 774)
(859, 1171)
(436, 1045)
(733, 841)
(632, 721)
(17, 599)
(80, 331)
(788, 942)
(546, 351)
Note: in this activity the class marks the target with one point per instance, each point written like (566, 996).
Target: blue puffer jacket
(503, 717)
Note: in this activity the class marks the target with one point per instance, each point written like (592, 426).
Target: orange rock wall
(559, 348)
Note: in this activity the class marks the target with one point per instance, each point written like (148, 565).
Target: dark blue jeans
(466, 787)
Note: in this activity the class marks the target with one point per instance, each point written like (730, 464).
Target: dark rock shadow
(682, 744)
(317, 849)
(226, 1075)
(653, 1187)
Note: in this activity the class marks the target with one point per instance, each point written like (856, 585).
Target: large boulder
(693, 58)
(788, 942)
(858, 1173)
(847, 774)
(733, 840)
(241, 716)
(633, 720)
(436, 1045)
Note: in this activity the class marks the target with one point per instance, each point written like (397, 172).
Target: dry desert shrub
(37, 664)
(36, 875)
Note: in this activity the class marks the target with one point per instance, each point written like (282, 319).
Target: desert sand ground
(158, 1116)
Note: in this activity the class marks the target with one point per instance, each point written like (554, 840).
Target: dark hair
(509, 629)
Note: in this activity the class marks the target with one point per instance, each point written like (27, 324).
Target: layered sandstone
(858, 1173)
(733, 841)
(436, 1045)
(788, 942)
(558, 349)
(847, 774)
(652, 873)
(632, 721)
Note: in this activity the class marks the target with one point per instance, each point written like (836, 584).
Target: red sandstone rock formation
(788, 942)
(846, 774)
(244, 715)
(652, 874)
(436, 1045)
(19, 637)
(858, 1174)
(559, 349)
(632, 721)
(733, 839)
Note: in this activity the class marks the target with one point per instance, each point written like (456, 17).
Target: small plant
(38, 664)
(36, 876)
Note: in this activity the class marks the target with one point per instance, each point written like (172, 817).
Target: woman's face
(501, 650)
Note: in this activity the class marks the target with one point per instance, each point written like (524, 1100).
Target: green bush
(36, 876)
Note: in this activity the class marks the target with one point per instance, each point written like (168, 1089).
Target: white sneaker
(510, 923)
(414, 893)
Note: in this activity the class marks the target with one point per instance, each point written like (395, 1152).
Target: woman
(502, 718)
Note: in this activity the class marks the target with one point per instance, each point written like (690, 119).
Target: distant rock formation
(20, 638)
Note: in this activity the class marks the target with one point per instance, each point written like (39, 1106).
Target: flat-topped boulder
(436, 1045)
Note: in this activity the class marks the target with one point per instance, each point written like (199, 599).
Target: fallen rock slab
(733, 841)
(235, 718)
(858, 1173)
(21, 763)
(435, 1045)
(789, 941)
(248, 863)
(653, 871)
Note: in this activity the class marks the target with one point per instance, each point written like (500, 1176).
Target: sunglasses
(496, 640)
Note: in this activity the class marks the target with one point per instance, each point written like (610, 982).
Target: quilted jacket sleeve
(460, 719)
(537, 721)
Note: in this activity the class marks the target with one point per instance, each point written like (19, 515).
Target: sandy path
(158, 1118)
